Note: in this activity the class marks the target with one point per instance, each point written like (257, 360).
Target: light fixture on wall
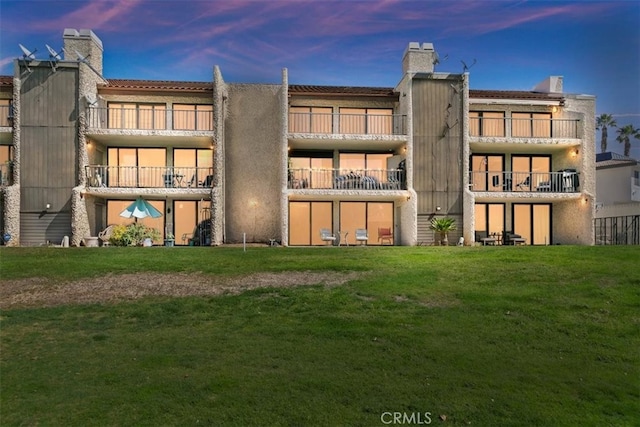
(554, 109)
(575, 152)
(47, 206)
(438, 208)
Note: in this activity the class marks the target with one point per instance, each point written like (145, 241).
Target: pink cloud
(95, 14)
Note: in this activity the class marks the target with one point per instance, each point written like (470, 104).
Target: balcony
(508, 127)
(148, 177)
(566, 181)
(339, 130)
(340, 179)
(155, 125)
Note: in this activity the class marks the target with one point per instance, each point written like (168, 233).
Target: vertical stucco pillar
(284, 163)
(217, 191)
(12, 192)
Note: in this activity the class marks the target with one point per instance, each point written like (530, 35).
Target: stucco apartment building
(279, 162)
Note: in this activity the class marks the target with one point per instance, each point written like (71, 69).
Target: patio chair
(526, 183)
(385, 234)
(105, 235)
(362, 235)
(326, 236)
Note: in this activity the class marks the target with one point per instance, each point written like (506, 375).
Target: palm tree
(624, 137)
(603, 122)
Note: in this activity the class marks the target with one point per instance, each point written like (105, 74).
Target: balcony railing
(566, 181)
(6, 175)
(524, 128)
(358, 179)
(348, 124)
(149, 119)
(148, 177)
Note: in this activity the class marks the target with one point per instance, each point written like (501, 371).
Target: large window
(372, 216)
(311, 170)
(487, 173)
(529, 171)
(192, 117)
(137, 116)
(377, 121)
(191, 222)
(115, 207)
(196, 165)
(486, 123)
(5, 112)
(533, 222)
(136, 167)
(536, 125)
(489, 218)
(310, 119)
(306, 219)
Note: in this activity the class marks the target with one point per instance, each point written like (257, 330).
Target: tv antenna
(54, 57)
(27, 56)
(466, 67)
(86, 62)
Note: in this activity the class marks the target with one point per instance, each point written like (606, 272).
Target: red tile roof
(514, 94)
(6, 81)
(342, 90)
(157, 85)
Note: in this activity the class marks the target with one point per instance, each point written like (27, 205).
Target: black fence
(618, 230)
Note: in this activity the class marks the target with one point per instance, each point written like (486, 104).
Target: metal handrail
(148, 176)
(148, 119)
(524, 127)
(347, 179)
(348, 124)
(566, 181)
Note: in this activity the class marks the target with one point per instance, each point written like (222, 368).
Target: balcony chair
(362, 235)
(385, 234)
(526, 183)
(326, 236)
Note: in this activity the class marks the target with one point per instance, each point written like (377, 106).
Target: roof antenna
(27, 56)
(84, 60)
(466, 67)
(54, 57)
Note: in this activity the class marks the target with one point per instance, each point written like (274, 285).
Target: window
(137, 116)
(369, 215)
(528, 172)
(311, 119)
(486, 123)
(376, 121)
(487, 173)
(489, 217)
(192, 222)
(306, 219)
(136, 167)
(115, 207)
(6, 112)
(192, 117)
(536, 125)
(311, 170)
(533, 222)
(196, 165)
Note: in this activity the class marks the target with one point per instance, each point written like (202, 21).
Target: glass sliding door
(529, 171)
(487, 172)
(306, 219)
(489, 217)
(115, 207)
(372, 216)
(533, 222)
(136, 167)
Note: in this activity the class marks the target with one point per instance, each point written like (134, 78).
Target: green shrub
(133, 234)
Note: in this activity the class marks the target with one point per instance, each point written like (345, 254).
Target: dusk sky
(595, 45)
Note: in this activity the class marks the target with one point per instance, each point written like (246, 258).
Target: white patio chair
(362, 236)
(326, 236)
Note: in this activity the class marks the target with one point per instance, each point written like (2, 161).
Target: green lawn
(484, 336)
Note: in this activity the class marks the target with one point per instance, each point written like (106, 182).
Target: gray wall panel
(38, 229)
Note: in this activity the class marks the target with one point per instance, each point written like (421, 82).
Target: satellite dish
(91, 99)
(53, 54)
(27, 55)
(466, 67)
(54, 57)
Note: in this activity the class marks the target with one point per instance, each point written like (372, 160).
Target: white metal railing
(148, 176)
(343, 179)
(565, 181)
(149, 119)
(524, 127)
(351, 124)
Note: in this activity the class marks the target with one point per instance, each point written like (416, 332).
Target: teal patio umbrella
(140, 209)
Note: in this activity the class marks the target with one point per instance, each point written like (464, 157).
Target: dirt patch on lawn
(43, 292)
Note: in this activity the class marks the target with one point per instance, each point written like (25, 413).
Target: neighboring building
(262, 162)
(618, 199)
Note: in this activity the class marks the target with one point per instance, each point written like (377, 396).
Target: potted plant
(169, 239)
(443, 226)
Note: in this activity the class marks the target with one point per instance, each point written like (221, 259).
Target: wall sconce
(585, 201)
(575, 153)
(47, 206)
(554, 109)
(438, 208)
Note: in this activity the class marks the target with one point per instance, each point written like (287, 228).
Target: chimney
(419, 59)
(86, 43)
(552, 84)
